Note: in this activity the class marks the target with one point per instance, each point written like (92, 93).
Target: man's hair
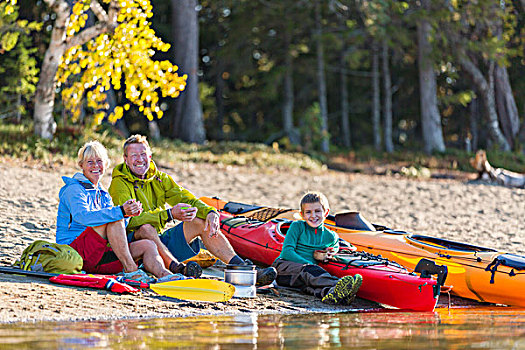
(91, 150)
(136, 139)
(315, 197)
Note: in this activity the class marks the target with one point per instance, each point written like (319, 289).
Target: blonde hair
(315, 197)
(93, 149)
(136, 139)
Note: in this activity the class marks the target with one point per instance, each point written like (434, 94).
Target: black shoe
(265, 275)
(192, 269)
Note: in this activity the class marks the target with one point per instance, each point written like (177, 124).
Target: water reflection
(485, 328)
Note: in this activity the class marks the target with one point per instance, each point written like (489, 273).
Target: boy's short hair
(90, 150)
(315, 197)
(136, 139)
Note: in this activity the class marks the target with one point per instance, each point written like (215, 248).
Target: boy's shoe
(265, 275)
(192, 269)
(173, 277)
(138, 275)
(358, 280)
(340, 292)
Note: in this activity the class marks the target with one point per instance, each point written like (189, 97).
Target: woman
(88, 222)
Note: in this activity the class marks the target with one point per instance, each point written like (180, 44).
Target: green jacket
(154, 192)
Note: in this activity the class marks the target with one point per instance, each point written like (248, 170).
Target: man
(138, 178)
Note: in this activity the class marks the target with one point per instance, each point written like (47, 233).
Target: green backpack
(50, 257)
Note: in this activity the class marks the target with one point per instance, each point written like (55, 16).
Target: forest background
(338, 80)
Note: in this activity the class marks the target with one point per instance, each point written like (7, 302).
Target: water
(480, 328)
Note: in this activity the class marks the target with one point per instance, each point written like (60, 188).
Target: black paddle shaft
(17, 271)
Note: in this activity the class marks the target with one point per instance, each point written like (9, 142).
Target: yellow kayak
(474, 272)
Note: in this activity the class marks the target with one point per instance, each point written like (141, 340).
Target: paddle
(190, 289)
(198, 289)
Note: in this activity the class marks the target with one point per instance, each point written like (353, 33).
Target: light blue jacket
(82, 205)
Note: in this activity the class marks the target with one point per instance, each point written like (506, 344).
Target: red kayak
(384, 281)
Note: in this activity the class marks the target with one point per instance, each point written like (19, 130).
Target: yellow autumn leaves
(119, 59)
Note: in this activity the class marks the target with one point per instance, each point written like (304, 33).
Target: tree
(472, 32)
(376, 106)
(430, 117)
(321, 81)
(187, 121)
(117, 50)
(387, 98)
(18, 66)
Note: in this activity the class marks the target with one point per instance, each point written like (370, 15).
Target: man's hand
(183, 212)
(211, 226)
(132, 208)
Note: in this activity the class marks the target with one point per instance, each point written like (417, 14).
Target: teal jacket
(301, 241)
(154, 192)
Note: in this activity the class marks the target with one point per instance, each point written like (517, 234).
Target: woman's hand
(132, 208)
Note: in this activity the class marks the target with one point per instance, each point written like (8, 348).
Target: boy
(307, 243)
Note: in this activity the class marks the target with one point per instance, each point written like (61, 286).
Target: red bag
(94, 281)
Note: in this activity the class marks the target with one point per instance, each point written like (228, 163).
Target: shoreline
(459, 210)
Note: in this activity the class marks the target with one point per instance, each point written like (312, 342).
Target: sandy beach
(467, 211)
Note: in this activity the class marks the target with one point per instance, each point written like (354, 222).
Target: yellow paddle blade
(196, 289)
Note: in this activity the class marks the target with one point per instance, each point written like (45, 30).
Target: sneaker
(138, 275)
(192, 269)
(265, 275)
(358, 280)
(340, 292)
(173, 277)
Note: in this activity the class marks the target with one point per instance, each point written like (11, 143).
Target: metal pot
(240, 275)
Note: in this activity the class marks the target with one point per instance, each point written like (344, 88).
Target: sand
(463, 210)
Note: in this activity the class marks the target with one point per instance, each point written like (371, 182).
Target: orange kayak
(474, 272)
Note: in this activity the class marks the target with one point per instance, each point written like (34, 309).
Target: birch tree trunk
(376, 107)
(187, 123)
(387, 99)
(486, 90)
(430, 117)
(44, 122)
(325, 146)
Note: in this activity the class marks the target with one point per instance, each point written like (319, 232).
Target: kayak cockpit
(439, 245)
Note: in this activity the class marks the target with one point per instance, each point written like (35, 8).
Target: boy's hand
(183, 212)
(324, 255)
(330, 253)
(320, 255)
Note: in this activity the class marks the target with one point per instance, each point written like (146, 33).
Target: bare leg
(115, 233)
(147, 250)
(217, 245)
(148, 232)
